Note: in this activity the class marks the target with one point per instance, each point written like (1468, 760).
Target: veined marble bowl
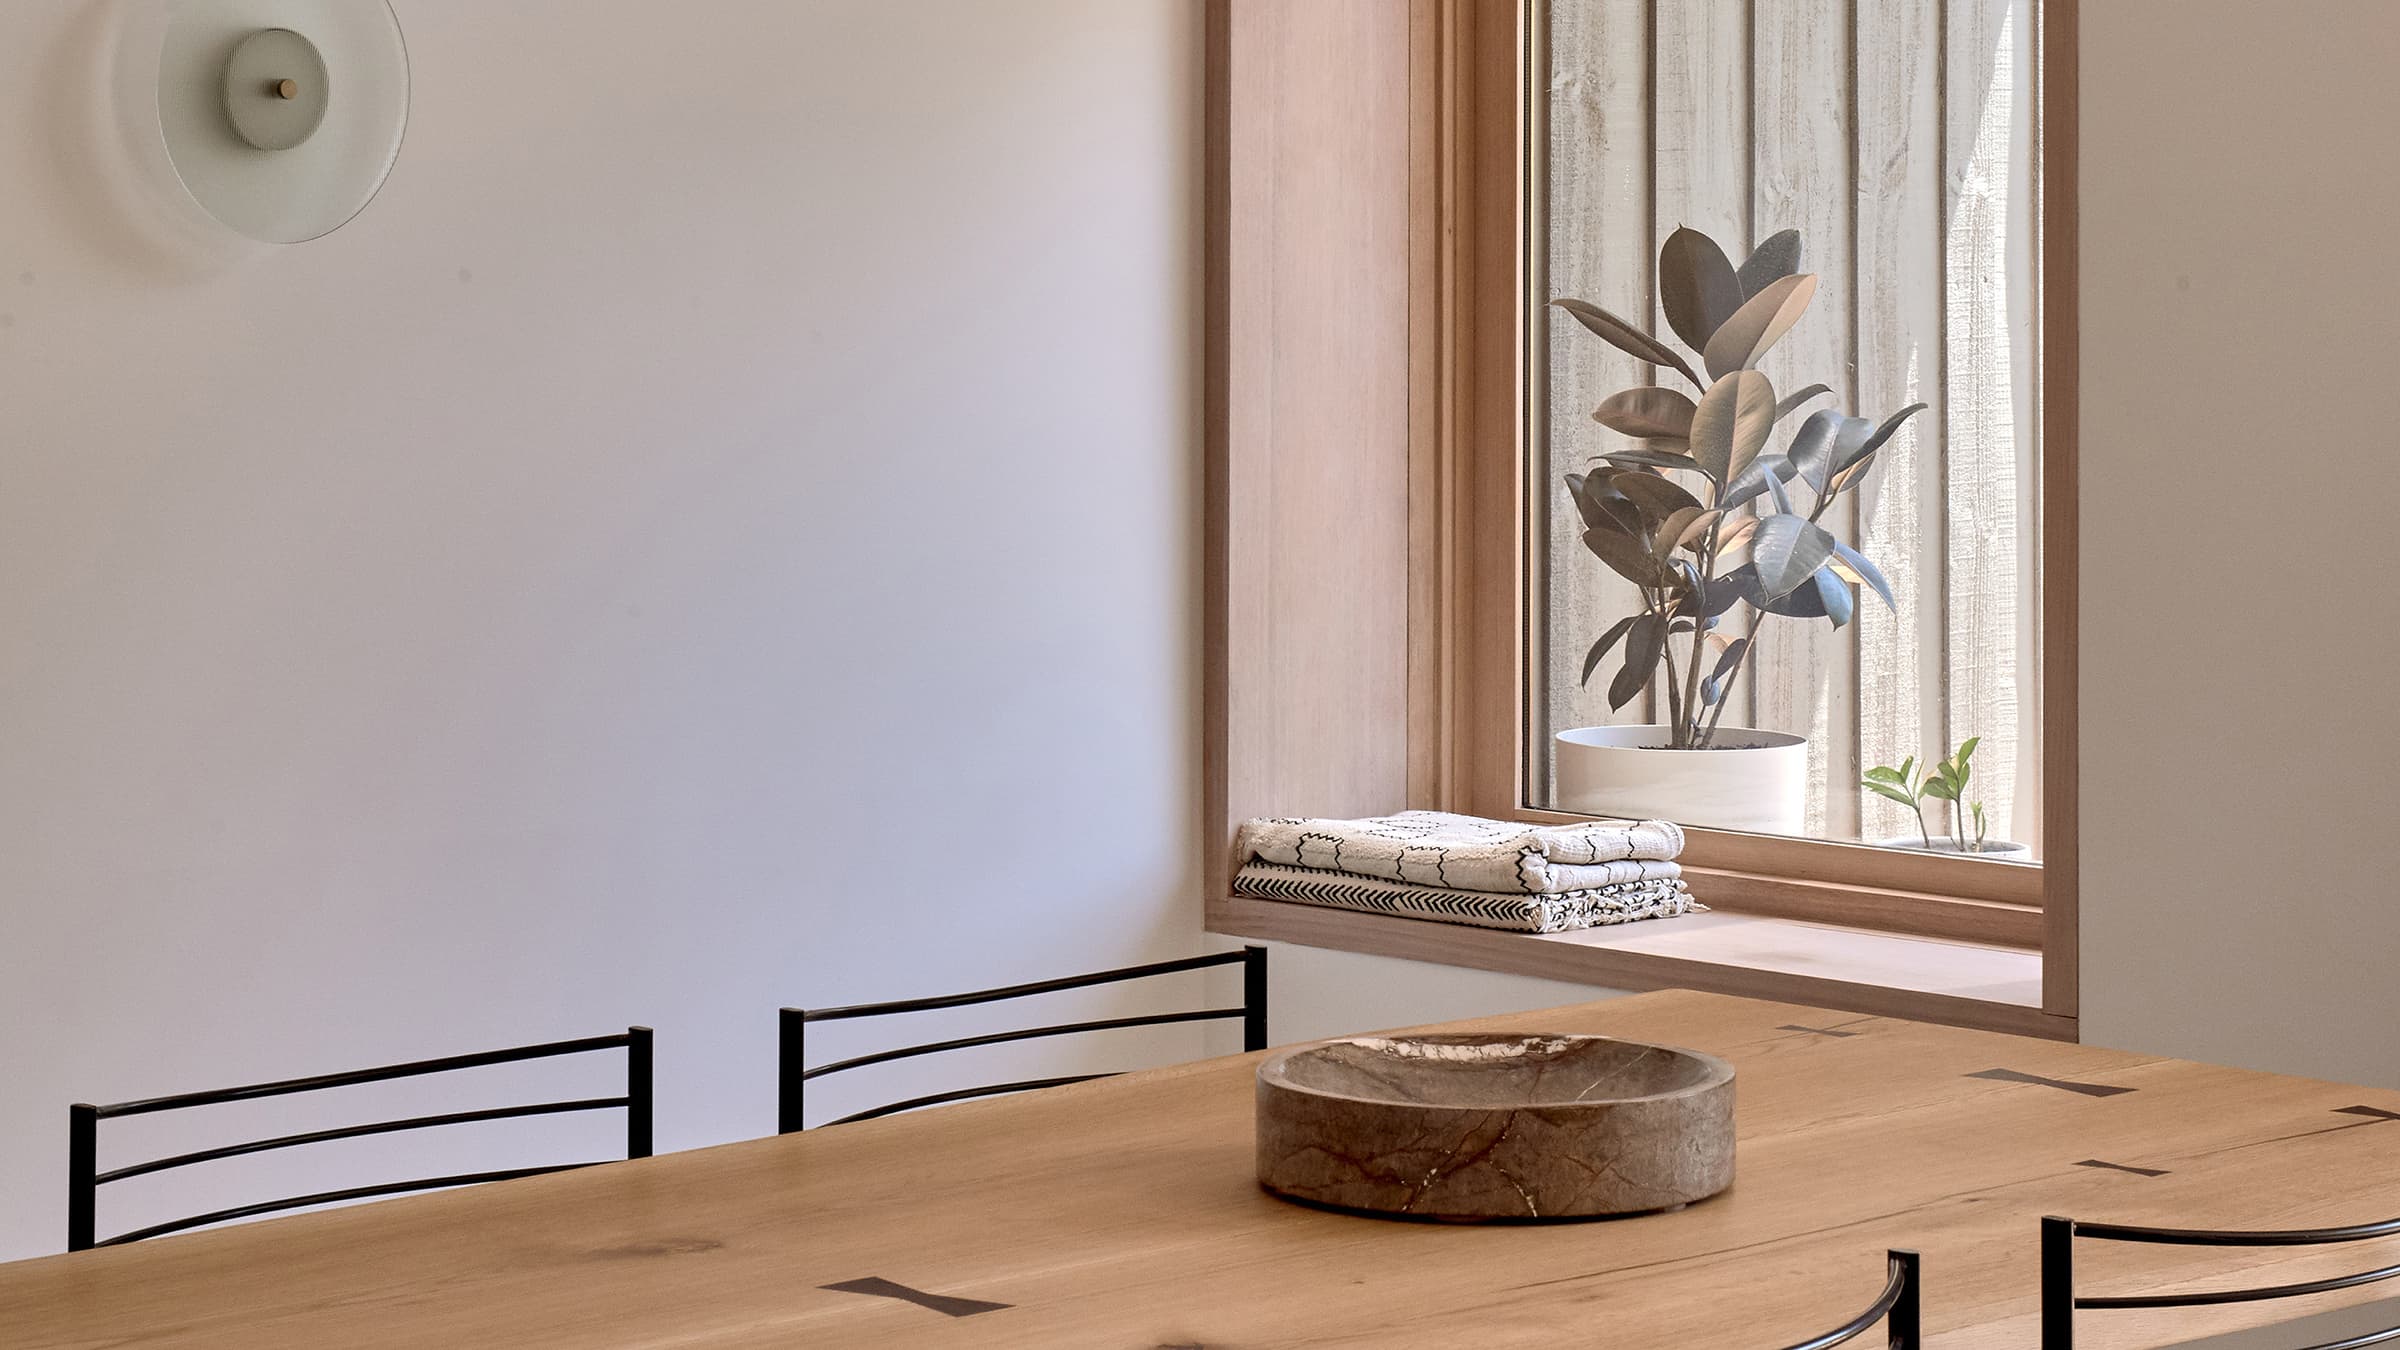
(1494, 1126)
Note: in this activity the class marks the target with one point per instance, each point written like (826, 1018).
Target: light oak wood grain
(1485, 176)
(1427, 355)
(1914, 913)
(1950, 982)
(2061, 394)
(1306, 683)
(1836, 863)
(1124, 1213)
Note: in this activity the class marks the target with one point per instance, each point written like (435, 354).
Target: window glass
(1835, 193)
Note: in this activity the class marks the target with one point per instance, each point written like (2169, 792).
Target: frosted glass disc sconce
(279, 119)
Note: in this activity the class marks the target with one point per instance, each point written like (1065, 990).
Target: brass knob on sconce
(276, 88)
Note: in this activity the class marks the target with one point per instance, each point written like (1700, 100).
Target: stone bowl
(1487, 1127)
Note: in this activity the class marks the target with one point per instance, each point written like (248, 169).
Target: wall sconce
(279, 119)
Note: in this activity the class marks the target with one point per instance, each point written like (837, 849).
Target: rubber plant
(1695, 509)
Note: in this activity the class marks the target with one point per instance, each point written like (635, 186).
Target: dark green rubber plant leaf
(1802, 603)
(1696, 286)
(1600, 649)
(1792, 402)
(1732, 422)
(1776, 257)
(1642, 650)
(1657, 497)
(1650, 457)
(1845, 556)
(1752, 481)
(1839, 601)
(1670, 530)
(1696, 533)
(1584, 506)
(1630, 558)
(1721, 594)
(1712, 689)
(1849, 478)
(1787, 551)
(1758, 325)
(1815, 444)
(1875, 442)
(1601, 506)
(1626, 338)
(1781, 500)
(1647, 412)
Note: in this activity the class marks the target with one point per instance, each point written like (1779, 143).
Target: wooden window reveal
(1367, 495)
(1478, 681)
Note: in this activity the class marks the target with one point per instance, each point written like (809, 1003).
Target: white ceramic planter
(1629, 771)
(2004, 849)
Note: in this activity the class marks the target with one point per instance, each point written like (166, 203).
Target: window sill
(1953, 983)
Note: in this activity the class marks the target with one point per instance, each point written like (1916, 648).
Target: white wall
(2240, 325)
(1314, 994)
(718, 532)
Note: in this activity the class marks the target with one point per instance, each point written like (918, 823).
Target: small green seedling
(1945, 779)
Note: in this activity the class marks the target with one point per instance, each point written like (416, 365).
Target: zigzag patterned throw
(1555, 912)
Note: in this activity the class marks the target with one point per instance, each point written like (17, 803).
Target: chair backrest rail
(333, 1197)
(964, 1094)
(2213, 1297)
(1022, 990)
(355, 1076)
(357, 1131)
(84, 1177)
(1026, 1034)
(793, 1073)
(2060, 1302)
(1898, 1301)
(2221, 1237)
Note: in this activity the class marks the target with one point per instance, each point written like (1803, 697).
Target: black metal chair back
(1895, 1307)
(793, 1074)
(84, 1177)
(2060, 1301)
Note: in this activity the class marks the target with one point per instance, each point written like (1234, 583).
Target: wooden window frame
(1336, 695)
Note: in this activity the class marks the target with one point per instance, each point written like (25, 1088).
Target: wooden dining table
(1124, 1213)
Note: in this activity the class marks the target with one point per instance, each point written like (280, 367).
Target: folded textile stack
(1464, 869)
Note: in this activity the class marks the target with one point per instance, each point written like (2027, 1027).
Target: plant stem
(1691, 697)
(1724, 696)
(1703, 726)
(1674, 691)
(1921, 830)
(1732, 678)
